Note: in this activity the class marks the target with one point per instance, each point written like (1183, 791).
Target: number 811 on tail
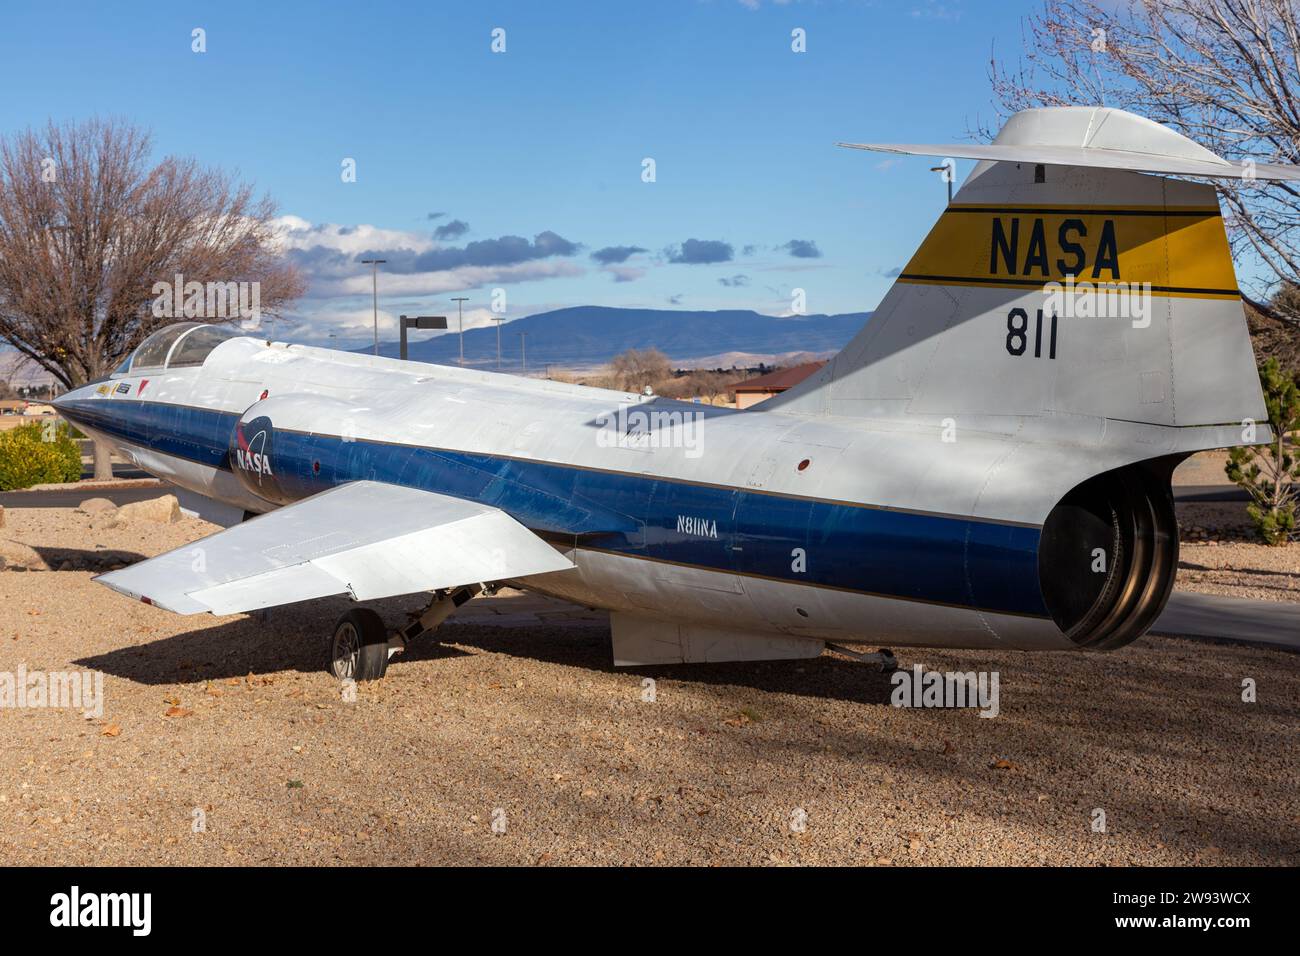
(1018, 333)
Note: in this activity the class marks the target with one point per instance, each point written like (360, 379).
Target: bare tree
(706, 384)
(88, 226)
(636, 369)
(1225, 73)
(717, 384)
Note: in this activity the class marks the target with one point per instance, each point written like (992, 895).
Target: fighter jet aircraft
(986, 464)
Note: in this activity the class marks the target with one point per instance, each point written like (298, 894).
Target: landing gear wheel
(359, 649)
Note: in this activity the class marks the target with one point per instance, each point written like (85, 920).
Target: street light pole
(405, 322)
(498, 319)
(461, 318)
(523, 346)
(948, 176)
(374, 291)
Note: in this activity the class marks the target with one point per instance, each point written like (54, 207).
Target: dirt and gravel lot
(519, 719)
(1219, 552)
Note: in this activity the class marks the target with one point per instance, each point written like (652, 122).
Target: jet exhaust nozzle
(1108, 555)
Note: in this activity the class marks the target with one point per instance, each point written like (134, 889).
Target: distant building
(12, 406)
(752, 391)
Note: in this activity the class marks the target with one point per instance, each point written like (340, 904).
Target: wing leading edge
(366, 538)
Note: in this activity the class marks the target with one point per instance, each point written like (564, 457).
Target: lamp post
(374, 291)
(498, 319)
(417, 322)
(460, 316)
(523, 349)
(949, 173)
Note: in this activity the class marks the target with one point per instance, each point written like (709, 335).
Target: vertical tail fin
(1065, 287)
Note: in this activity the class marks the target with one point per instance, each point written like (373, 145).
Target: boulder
(164, 510)
(96, 506)
(19, 557)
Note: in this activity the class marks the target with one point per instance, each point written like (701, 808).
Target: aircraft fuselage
(728, 519)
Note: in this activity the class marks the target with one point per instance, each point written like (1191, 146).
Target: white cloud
(298, 233)
(338, 295)
(440, 283)
(624, 273)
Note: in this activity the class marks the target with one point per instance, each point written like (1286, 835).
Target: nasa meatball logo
(253, 448)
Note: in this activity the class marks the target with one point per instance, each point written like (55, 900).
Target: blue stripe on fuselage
(195, 434)
(921, 557)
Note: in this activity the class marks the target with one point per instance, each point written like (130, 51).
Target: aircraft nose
(70, 404)
(75, 395)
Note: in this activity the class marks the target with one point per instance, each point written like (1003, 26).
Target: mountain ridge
(592, 335)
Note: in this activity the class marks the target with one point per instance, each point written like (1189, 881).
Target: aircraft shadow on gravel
(290, 639)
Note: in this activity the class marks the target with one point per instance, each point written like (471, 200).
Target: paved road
(1231, 619)
(1209, 493)
(119, 471)
(76, 495)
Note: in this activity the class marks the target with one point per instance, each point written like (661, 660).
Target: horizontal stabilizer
(367, 539)
(1096, 137)
(1091, 157)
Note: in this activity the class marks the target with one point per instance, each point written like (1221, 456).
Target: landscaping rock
(19, 557)
(95, 506)
(164, 510)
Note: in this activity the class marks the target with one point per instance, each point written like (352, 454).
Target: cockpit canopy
(183, 345)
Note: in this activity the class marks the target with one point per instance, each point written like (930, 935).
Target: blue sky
(545, 141)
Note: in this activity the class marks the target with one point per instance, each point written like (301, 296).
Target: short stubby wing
(366, 539)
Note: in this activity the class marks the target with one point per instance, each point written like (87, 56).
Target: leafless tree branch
(1225, 73)
(88, 226)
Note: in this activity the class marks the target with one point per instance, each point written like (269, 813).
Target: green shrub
(1270, 472)
(37, 454)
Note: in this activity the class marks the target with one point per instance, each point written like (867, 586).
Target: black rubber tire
(359, 646)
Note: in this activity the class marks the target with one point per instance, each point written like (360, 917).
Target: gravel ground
(1219, 554)
(519, 719)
